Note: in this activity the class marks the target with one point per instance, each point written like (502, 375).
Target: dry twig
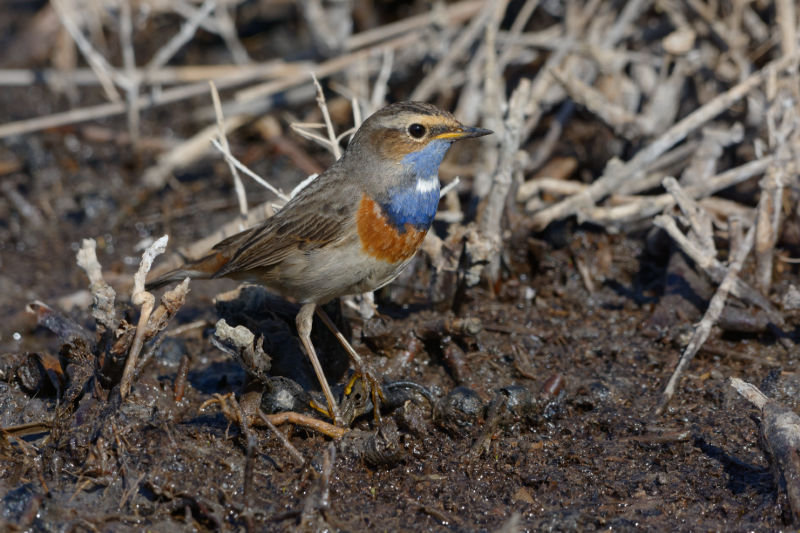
(145, 301)
(222, 139)
(710, 317)
(490, 223)
(617, 173)
(780, 431)
(102, 293)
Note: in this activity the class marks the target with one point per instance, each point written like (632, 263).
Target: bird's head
(414, 135)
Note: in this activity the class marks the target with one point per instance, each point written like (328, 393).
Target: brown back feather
(308, 222)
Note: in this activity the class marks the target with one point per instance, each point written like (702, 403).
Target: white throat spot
(426, 185)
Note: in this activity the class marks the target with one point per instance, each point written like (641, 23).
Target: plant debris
(557, 356)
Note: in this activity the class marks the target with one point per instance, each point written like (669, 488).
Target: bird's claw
(327, 411)
(364, 389)
(361, 394)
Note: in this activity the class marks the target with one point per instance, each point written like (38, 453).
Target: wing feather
(306, 223)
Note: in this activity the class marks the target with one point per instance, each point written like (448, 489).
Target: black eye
(416, 130)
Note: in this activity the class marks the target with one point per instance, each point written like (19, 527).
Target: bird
(352, 229)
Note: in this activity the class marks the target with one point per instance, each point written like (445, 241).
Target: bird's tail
(204, 268)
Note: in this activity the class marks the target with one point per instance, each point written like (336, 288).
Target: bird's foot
(363, 392)
(331, 413)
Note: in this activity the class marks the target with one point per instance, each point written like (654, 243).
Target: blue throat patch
(409, 204)
(425, 162)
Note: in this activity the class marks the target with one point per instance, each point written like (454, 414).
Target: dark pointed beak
(464, 133)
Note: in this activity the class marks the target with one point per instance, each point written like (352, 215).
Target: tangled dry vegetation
(636, 206)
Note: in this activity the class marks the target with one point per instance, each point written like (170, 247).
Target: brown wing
(308, 222)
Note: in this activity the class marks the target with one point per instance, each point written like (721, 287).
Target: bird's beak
(463, 133)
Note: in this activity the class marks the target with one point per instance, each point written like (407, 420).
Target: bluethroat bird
(352, 229)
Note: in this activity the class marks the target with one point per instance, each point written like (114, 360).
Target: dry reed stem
(222, 140)
(452, 14)
(617, 174)
(331, 143)
(490, 222)
(710, 317)
(782, 131)
(167, 75)
(231, 160)
(227, 30)
(715, 269)
(330, 25)
(187, 152)
(384, 38)
(176, 42)
(515, 31)
(129, 80)
(786, 17)
(106, 74)
(624, 123)
(624, 208)
(282, 438)
(381, 86)
(129, 67)
(145, 301)
(388, 37)
(102, 294)
(32, 214)
(432, 82)
(703, 163)
(780, 437)
(160, 98)
(699, 219)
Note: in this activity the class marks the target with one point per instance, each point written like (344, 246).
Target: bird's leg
(304, 321)
(372, 383)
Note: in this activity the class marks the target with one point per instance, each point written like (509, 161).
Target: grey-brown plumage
(354, 227)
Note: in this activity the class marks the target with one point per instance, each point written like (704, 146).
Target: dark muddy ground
(555, 432)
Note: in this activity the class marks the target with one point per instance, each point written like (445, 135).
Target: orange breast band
(380, 238)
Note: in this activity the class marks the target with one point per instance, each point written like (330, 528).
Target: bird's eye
(416, 130)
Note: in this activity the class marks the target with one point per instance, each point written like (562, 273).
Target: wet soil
(590, 455)
(585, 363)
